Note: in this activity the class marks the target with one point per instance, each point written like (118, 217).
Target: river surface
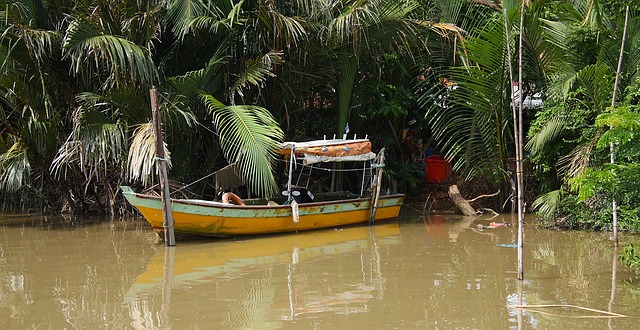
(438, 272)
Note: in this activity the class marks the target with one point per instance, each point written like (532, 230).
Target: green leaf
(250, 137)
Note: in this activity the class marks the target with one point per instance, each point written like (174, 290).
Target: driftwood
(465, 205)
(460, 202)
(533, 308)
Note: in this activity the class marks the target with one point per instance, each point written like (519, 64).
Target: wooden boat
(301, 211)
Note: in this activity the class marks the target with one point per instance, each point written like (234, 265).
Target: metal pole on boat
(169, 236)
(291, 160)
(375, 193)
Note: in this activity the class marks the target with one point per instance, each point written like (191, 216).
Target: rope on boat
(202, 178)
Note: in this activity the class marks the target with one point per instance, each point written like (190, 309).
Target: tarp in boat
(334, 150)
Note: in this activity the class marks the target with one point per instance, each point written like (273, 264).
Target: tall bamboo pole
(613, 104)
(517, 133)
(519, 151)
(169, 237)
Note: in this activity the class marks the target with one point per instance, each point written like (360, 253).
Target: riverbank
(434, 198)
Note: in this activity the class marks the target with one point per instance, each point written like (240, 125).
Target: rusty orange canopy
(330, 150)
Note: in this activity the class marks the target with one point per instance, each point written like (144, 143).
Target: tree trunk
(460, 202)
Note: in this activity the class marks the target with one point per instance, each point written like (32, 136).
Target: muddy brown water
(439, 272)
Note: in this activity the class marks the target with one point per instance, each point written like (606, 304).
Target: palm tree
(67, 135)
(471, 114)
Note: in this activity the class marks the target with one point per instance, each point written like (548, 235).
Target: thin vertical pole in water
(517, 132)
(375, 194)
(519, 152)
(167, 283)
(169, 236)
(613, 104)
(614, 281)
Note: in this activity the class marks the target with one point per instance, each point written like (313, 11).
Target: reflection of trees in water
(252, 309)
(572, 279)
(63, 273)
(85, 302)
(545, 253)
(567, 268)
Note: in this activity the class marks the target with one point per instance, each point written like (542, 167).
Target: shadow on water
(431, 272)
(49, 222)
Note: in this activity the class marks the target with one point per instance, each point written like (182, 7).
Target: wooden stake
(169, 236)
(375, 194)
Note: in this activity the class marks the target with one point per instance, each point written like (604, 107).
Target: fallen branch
(495, 214)
(532, 308)
(465, 205)
(460, 202)
(485, 196)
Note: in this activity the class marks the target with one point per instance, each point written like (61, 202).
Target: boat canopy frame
(327, 151)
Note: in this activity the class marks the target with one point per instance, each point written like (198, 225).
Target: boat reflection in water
(265, 281)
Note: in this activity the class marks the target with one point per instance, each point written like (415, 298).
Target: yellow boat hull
(208, 218)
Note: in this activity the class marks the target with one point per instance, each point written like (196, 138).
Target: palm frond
(549, 131)
(15, 168)
(67, 160)
(256, 72)
(41, 43)
(85, 43)
(250, 137)
(17, 12)
(473, 116)
(557, 32)
(289, 30)
(208, 24)
(206, 79)
(562, 82)
(142, 153)
(597, 81)
(95, 145)
(576, 162)
(180, 14)
(350, 19)
(547, 204)
(348, 69)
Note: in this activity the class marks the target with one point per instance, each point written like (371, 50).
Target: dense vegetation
(235, 78)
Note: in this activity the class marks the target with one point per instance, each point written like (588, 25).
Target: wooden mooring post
(169, 236)
(375, 191)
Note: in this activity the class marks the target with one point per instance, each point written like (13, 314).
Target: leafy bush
(631, 257)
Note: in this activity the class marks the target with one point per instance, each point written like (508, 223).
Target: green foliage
(547, 204)
(604, 183)
(575, 214)
(624, 127)
(391, 101)
(572, 134)
(250, 137)
(409, 176)
(472, 120)
(631, 257)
